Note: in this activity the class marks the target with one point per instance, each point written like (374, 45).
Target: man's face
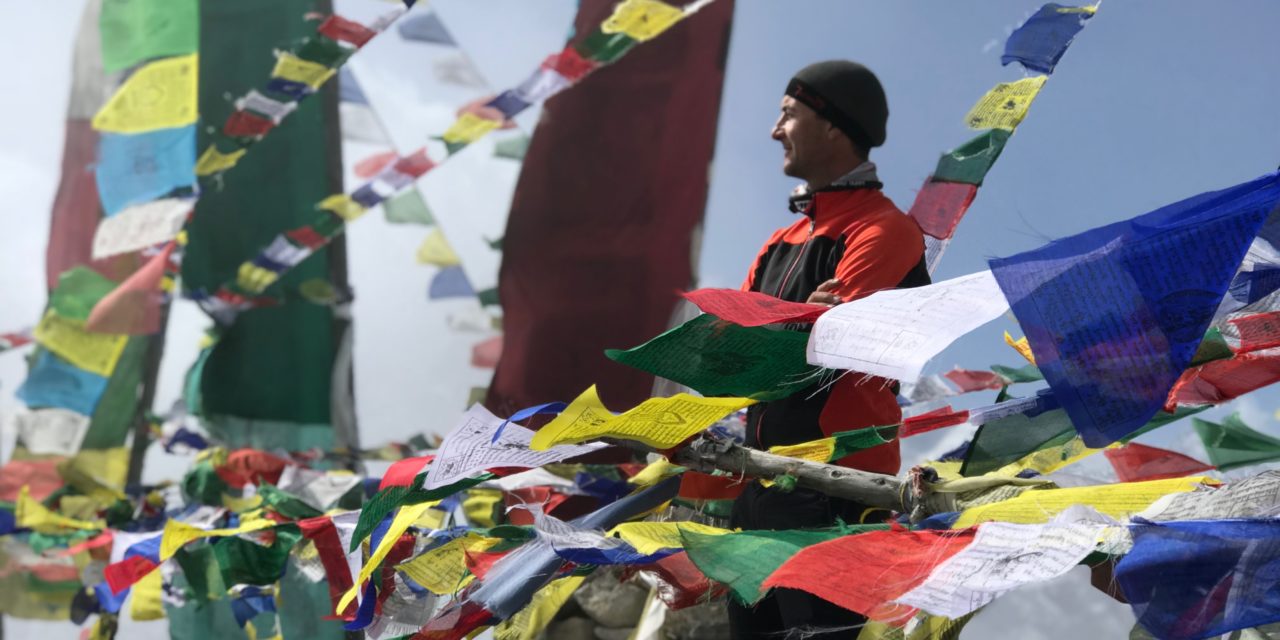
(805, 137)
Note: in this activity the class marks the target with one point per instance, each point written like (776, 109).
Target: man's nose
(776, 132)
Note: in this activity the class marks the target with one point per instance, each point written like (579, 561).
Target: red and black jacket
(858, 236)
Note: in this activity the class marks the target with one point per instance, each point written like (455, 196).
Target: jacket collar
(862, 177)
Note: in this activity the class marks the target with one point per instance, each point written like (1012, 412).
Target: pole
(146, 396)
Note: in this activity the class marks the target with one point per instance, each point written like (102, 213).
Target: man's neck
(834, 172)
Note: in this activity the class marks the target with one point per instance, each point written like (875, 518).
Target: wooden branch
(871, 489)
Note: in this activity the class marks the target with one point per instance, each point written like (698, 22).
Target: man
(849, 241)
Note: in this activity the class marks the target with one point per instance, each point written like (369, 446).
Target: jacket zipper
(786, 277)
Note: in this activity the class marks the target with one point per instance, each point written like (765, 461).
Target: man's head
(833, 113)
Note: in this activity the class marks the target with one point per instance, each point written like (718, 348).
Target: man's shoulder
(872, 212)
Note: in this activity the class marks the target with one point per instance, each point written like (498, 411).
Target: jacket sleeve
(879, 256)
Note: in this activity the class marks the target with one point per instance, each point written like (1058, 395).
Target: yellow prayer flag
(1021, 346)
(435, 251)
(293, 68)
(652, 537)
(213, 161)
(443, 570)
(481, 506)
(468, 128)
(658, 422)
(94, 352)
(529, 623)
(97, 473)
(405, 517)
(160, 95)
(815, 450)
(255, 279)
(241, 505)
(145, 598)
(1048, 460)
(343, 206)
(655, 471)
(1115, 500)
(642, 19)
(30, 514)
(1005, 105)
(177, 534)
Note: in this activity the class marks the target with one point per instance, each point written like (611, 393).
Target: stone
(608, 601)
(707, 621)
(574, 628)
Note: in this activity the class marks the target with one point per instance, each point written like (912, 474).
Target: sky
(1155, 101)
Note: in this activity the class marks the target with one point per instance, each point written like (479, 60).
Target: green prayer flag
(112, 419)
(79, 288)
(1212, 347)
(287, 504)
(200, 568)
(407, 207)
(1161, 419)
(137, 30)
(970, 162)
(488, 297)
(605, 47)
(743, 560)
(847, 442)
(1232, 444)
(246, 562)
(203, 485)
(323, 51)
(513, 148)
(1014, 375)
(717, 358)
(387, 500)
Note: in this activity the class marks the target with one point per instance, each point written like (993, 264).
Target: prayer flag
(137, 30)
(752, 308)
(1005, 105)
(1116, 313)
(1040, 41)
(658, 422)
(970, 162)
(1231, 444)
(138, 168)
(939, 206)
(1137, 462)
(160, 95)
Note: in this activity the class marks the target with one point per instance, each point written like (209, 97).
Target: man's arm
(875, 260)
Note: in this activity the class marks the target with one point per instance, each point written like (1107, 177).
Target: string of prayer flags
(159, 95)
(1201, 579)
(658, 422)
(1231, 444)
(892, 334)
(838, 445)
(1005, 105)
(752, 308)
(939, 206)
(1038, 44)
(970, 162)
(716, 358)
(1096, 351)
(931, 421)
(1138, 462)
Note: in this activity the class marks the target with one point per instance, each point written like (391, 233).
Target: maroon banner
(601, 229)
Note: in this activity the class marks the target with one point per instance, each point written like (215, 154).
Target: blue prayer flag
(138, 168)
(1115, 314)
(426, 28)
(450, 282)
(1040, 42)
(1203, 578)
(54, 382)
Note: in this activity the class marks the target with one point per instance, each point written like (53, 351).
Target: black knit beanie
(848, 95)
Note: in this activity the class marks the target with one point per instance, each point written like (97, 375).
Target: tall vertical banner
(601, 231)
(270, 372)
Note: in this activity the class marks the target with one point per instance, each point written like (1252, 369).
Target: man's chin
(789, 169)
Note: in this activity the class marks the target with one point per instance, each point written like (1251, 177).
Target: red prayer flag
(1221, 380)
(402, 473)
(122, 575)
(307, 237)
(333, 557)
(243, 124)
(751, 308)
(249, 466)
(134, 306)
(1258, 331)
(940, 205)
(480, 562)
(936, 419)
(485, 355)
(415, 164)
(970, 380)
(679, 582)
(339, 28)
(703, 486)
(865, 572)
(570, 64)
(1137, 462)
(369, 167)
(40, 476)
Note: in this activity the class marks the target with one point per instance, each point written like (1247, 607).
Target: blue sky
(1155, 101)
